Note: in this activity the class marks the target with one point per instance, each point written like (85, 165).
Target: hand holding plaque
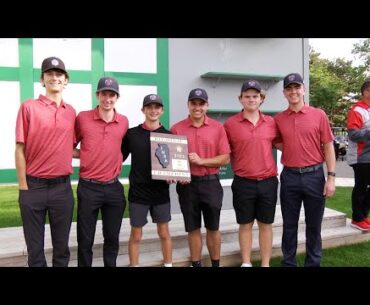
(169, 157)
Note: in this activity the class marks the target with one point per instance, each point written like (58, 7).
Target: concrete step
(331, 237)
(228, 227)
(13, 250)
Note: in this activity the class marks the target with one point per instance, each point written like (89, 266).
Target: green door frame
(27, 75)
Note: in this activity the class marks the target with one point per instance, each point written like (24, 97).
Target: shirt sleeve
(325, 130)
(125, 146)
(22, 125)
(223, 143)
(77, 133)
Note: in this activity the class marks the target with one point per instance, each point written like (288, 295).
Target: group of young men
(48, 132)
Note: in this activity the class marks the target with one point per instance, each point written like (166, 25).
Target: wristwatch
(331, 174)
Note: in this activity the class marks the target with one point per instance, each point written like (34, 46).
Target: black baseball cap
(152, 98)
(198, 93)
(108, 83)
(293, 78)
(251, 84)
(53, 63)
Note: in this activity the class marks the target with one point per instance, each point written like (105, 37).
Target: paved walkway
(344, 182)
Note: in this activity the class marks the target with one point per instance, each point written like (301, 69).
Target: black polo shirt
(143, 189)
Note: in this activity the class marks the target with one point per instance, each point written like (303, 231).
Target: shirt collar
(241, 117)
(146, 127)
(97, 115)
(48, 102)
(189, 122)
(304, 110)
(363, 104)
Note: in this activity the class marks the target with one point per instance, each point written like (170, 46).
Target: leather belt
(100, 182)
(56, 180)
(204, 178)
(254, 179)
(306, 169)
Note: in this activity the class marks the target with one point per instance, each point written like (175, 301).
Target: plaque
(169, 157)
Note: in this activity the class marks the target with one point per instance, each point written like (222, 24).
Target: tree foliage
(335, 84)
(362, 50)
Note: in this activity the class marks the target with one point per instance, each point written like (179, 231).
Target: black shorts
(160, 213)
(197, 197)
(253, 199)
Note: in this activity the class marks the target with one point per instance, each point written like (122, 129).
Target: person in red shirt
(43, 157)
(100, 132)
(208, 150)
(307, 141)
(358, 124)
(251, 135)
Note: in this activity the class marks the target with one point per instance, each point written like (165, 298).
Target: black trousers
(55, 198)
(360, 192)
(110, 200)
(295, 189)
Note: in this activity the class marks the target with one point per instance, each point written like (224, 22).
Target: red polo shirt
(100, 152)
(208, 141)
(251, 146)
(303, 134)
(48, 134)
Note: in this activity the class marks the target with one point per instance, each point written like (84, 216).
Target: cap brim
(198, 98)
(107, 89)
(158, 103)
(56, 69)
(259, 90)
(292, 83)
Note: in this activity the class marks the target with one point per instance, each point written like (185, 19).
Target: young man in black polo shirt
(145, 194)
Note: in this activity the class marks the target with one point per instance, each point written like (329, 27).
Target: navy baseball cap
(198, 93)
(251, 84)
(53, 63)
(108, 83)
(293, 78)
(152, 98)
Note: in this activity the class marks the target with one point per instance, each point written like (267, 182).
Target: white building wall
(120, 55)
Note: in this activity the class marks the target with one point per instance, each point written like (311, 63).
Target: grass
(341, 201)
(9, 207)
(355, 255)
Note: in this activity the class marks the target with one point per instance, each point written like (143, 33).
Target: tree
(335, 85)
(362, 49)
(326, 88)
